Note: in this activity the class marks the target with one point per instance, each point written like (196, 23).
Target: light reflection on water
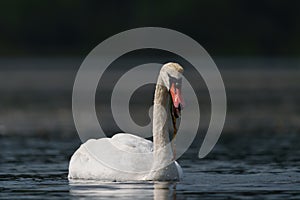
(128, 190)
(248, 167)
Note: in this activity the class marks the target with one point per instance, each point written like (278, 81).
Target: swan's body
(84, 166)
(136, 158)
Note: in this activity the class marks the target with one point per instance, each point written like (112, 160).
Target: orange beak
(177, 100)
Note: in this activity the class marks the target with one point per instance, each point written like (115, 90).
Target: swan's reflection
(164, 190)
(124, 190)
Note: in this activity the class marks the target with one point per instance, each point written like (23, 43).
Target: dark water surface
(240, 167)
(257, 156)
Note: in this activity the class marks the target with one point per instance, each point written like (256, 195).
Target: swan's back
(124, 151)
(132, 143)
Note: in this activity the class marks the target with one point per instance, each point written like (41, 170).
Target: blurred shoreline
(36, 95)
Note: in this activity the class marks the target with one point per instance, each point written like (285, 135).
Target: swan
(127, 157)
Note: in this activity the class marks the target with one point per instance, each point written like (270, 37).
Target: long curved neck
(160, 122)
(160, 125)
(163, 154)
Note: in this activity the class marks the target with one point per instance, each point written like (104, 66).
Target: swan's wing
(132, 143)
(123, 152)
(123, 157)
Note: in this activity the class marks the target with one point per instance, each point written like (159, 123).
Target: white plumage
(84, 165)
(126, 157)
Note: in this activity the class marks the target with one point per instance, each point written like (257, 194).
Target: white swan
(126, 157)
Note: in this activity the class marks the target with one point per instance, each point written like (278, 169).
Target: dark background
(224, 28)
(255, 44)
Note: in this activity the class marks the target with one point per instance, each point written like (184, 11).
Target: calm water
(257, 156)
(240, 167)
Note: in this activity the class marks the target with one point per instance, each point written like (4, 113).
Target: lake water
(257, 156)
(240, 167)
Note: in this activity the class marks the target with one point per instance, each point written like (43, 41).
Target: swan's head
(171, 74)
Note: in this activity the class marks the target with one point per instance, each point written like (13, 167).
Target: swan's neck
(160, 123)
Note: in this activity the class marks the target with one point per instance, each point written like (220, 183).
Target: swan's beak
(177, 100)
